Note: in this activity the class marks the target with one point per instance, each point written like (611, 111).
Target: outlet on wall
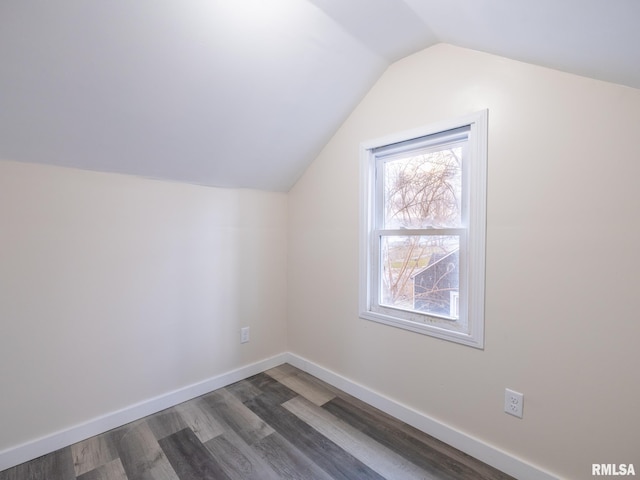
(244, 334)
(513, 402)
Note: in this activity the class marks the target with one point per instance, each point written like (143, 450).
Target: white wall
(116, 289)
(562, 261)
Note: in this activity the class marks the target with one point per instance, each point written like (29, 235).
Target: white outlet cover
(513, 402)
(244, 334)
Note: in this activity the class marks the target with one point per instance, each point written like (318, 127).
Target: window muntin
(423, 231)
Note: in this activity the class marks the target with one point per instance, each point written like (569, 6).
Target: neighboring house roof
(439, 258)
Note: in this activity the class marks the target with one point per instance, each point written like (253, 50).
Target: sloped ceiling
(245, 93)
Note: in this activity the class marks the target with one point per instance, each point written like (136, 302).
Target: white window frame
(469, 328)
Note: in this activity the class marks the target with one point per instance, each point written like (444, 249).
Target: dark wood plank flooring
(282, 423)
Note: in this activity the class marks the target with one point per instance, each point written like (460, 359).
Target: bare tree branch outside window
(421, 192)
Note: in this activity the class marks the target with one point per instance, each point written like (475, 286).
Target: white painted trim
(488, 454)
(33, 449)
(466, 443)
(472, 279)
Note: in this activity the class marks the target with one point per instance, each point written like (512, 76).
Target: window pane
(420, 273)
(424, 190)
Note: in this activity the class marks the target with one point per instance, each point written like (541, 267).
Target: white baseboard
(47, 444)
(472, 446)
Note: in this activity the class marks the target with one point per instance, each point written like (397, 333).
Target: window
(423, 230)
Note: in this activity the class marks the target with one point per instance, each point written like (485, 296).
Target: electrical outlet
(244, 334)
(513, 402)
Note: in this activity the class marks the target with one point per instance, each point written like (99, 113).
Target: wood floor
(282, 423)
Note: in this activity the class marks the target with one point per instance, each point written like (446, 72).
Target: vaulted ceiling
(245, 93)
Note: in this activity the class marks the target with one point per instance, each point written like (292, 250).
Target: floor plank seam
(282, 423)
